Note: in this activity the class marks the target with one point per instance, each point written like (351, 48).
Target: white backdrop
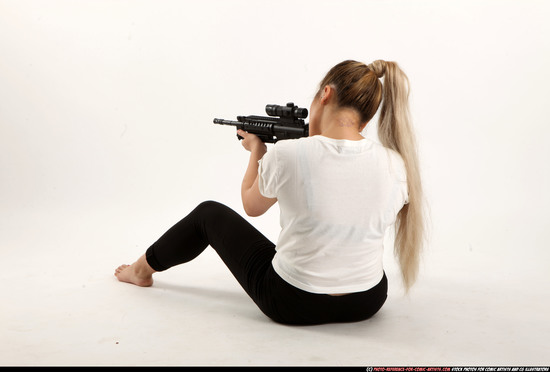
(106, 140)
(106, 112)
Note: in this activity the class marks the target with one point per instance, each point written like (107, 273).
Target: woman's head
(356, 86)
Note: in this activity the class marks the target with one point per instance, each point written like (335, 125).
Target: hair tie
(378, 67)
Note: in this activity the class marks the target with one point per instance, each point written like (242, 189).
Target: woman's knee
(209, 214)
(210, 207)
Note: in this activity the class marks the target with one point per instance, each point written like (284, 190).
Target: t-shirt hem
(324, 290)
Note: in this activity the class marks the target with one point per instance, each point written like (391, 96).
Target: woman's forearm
(252, 170)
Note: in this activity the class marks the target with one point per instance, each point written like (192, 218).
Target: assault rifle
(283, 122)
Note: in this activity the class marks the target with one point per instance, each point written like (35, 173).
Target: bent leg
(245, 251)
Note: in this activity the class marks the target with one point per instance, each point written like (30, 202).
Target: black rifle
(284, 122)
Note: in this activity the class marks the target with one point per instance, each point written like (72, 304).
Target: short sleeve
(405, 192)
(267, 174)
(403, 185)
(400, 175)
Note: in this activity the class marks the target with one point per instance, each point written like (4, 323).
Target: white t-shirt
(336, 198)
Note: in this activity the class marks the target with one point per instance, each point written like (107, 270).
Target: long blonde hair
(358, 86)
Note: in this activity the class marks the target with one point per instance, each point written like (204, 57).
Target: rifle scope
(290, 110)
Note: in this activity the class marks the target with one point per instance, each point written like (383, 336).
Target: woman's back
(337, 198)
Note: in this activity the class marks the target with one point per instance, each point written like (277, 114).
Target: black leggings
(248, 254)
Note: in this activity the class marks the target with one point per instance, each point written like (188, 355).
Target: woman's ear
(327, 94)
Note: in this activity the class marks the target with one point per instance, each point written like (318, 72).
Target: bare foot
(139, 273)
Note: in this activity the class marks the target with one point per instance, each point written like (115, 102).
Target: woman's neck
(342, 124)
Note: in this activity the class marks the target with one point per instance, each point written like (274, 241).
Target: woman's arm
(254, 203)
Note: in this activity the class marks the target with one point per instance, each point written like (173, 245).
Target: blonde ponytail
(395, 132)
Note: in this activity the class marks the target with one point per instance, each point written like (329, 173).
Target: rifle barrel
(227, 122)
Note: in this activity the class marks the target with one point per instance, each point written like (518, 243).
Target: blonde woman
(338, 192)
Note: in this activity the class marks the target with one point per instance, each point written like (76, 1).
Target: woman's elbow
(253, 214)
(255, 207)
(251, 210)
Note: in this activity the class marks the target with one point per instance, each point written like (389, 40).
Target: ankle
(142, 268)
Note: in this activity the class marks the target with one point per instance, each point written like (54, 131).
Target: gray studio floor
(61, 305)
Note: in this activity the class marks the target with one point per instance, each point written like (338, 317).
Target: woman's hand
(251, 142)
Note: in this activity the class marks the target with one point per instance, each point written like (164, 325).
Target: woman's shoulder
(397, 164)
(290, 144)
